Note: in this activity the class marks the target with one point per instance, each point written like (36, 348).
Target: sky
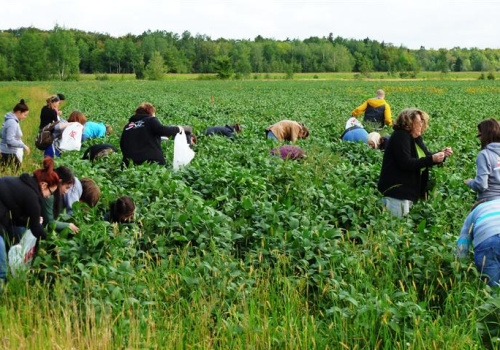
(433, 24)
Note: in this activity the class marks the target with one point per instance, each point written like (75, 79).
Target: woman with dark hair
(227, 130)
(11, 144)
(52, 206)
(404, 159)
(21, 205)
(49, 113)
(122, 210)
(141, 137)
(487, 181)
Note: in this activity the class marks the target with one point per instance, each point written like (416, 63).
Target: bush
(482, 77)
(101, 77)
(315, 76)
(491, 76)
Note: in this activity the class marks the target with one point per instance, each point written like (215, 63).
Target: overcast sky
(429, 23)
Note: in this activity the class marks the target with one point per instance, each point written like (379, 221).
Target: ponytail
(21, 106)
(47, 174)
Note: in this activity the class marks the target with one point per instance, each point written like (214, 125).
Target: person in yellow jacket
(376, 110)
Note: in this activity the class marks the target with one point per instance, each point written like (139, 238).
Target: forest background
(30, 54)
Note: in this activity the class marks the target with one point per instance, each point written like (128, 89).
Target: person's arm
(162, 130)
(480, 183)
(10, 136)
(360, 110)
(294, 130)
(401, 148)
(34, 213)
(465, 239)
(387, 115)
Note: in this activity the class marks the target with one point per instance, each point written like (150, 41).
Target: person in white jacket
(12, 147)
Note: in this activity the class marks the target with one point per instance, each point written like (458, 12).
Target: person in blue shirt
(92, 130)
(482, 228)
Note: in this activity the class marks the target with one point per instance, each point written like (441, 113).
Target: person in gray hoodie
(11, 144)
(487, 181)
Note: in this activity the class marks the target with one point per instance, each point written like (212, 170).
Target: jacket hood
(31, 182)
(11, 115)
(138, 117)
(376, 102)
(494, 147)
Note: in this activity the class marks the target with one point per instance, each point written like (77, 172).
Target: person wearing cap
(354, 131)
(375, 110)
(49, 113)
(287, 130)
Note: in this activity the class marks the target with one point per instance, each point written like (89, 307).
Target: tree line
(33, 54)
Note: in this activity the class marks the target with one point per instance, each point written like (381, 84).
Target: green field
(244, 250)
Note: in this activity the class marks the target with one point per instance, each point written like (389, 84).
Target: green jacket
(48, 215)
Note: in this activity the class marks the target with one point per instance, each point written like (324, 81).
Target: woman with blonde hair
(405, 160)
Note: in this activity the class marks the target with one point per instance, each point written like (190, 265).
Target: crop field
(244, 250)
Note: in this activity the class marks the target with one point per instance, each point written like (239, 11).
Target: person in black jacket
(49, 113)
(141, 137)
(21, 205)
(404, 159)
(226, 130)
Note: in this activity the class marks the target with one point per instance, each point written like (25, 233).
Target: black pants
(9, 159)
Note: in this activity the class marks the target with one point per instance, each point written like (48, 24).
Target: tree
(223, 67)
(63, 52)
(31, 56)
(156, 69)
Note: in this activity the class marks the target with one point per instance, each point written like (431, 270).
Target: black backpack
(44, 138)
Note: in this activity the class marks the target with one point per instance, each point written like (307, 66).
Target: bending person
(287, 130)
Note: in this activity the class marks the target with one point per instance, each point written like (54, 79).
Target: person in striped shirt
(482, 228)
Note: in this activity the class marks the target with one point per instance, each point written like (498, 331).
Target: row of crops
(246, 234)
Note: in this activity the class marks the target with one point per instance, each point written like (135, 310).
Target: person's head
(411, 120)
(109, 129)
(62, 98)
(21, 110)
(53, 102)
(488, 131)
(67, 179)
(145, 108)
(123, 209)
(237, 128)
(380, 94)
(78, 117)
(47, 178)
(304, 131)
(373, 140)
(90, 192)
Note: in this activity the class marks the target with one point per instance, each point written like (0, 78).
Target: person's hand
(59, 112)
(181, 129)
(27, 150)
(467, 181)
(73, 228)
(448, 151)
(187, 128)
(41, 220)
(438, 157)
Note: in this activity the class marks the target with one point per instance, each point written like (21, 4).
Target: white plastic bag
(21, 255)
(353, 122)
(71, 139)
(183, 154)
(20, 154)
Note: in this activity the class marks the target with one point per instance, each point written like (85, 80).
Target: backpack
(44, 138)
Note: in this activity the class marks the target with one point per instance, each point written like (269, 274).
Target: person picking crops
(375, 110)
(487, 181)
(482, 227)
(21, 206)
(405, 166)
(11, 145)
(287, 130)
(226, 130)
(140, 141)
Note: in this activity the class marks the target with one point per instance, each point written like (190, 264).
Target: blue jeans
(3, 259)
(487, 259)
(51, 152)
(270, 136)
